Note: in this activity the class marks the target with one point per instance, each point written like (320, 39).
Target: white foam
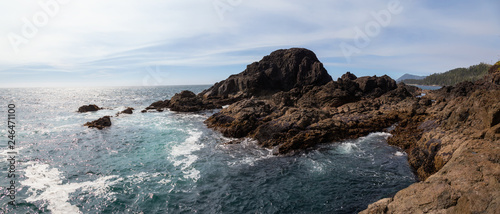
(398, 153)
(347, 147)
(380, 134)
(316, 166)
(247, 152)
(164, 181)
(421, 95)
(183, 157)
(142, 176)
(45, 184)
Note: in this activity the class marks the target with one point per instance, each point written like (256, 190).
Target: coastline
(438, 131)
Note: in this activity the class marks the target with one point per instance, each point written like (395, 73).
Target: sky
(67, 43)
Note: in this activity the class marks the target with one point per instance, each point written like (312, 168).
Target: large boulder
(282, 70)
(128, 110)
(87, 108)
(100, 123)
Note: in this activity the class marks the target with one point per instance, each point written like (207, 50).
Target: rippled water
(171, 163)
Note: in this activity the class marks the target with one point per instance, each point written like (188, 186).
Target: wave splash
(46, 184)
(182, 155)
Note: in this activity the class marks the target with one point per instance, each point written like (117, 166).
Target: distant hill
(453, 76)
(410, 76)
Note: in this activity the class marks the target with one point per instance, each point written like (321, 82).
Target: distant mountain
(410, 76)
(453, 76)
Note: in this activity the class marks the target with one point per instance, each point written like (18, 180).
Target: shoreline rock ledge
(288, 102)
(454, 146)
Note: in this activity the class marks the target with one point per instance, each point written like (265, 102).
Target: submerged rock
(100, 123)
(128, 110)
(87, 108)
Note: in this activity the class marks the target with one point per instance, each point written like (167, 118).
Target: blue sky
(145, 43)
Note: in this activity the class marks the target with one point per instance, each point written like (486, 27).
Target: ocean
(168, 162)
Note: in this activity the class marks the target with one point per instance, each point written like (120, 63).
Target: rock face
(289, 103)
(454, 145)
(100, 123)
(87, 108)
(306, 116)
(282, 70)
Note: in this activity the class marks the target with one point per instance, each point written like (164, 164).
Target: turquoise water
(171, 163)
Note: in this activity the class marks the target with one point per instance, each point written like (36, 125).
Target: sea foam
(182, 155)
(46, 184)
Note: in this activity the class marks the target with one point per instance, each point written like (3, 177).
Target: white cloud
(115, 35)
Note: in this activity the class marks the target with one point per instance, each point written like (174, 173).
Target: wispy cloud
(116, 37)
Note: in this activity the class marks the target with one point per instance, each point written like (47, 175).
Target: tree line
(453, 76)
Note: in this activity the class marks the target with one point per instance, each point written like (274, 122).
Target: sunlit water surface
(171, 163)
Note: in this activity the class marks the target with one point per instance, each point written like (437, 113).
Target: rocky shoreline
(288, 102)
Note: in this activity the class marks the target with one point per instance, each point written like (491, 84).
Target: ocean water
(429, 87)
(169, 162)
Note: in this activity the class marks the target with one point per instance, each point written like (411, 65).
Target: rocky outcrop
(307, 116)
(282, 70)
(454, 145)
(289, 103)
(128, 110)
(100, 123)
(185, 101)
(87, 108)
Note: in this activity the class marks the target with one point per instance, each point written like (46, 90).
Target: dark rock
(87, 108)
(158, 105)
(376, 86)
(187, 101)
(239, 119)
(129, 110)
(348, 76)
(282, 70)
(100, 123)
(302, 117)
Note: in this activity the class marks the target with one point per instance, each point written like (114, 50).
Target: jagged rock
(239, 119)
(282, 70)
(304, 117)
(87, 108)
(348, 76)
(100, 123)
(128, 110)
(376, 85)
(454, 147)
(185, 101)
(158, 105)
